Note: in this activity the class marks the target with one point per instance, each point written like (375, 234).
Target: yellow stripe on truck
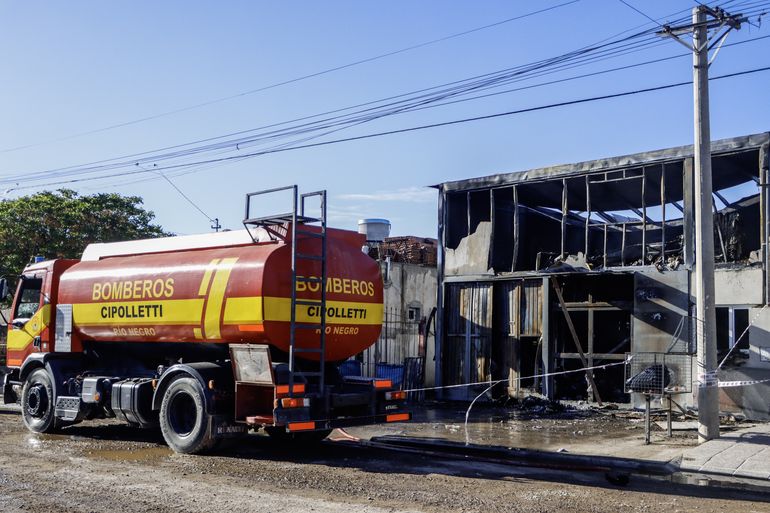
(163, 312)
(337, 312)
(237, 311)
(207, 277)
(243, 310)
(211, 324)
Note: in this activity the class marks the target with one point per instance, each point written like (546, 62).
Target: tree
(60, 224)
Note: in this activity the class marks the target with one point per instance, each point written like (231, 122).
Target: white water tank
(376, 230)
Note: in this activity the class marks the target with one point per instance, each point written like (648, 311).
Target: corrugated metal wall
(531, 308)
(473, 350)
(467, 350)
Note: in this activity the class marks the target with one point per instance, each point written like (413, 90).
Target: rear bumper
(318, 425)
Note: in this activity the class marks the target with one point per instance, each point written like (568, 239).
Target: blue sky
(72, 67)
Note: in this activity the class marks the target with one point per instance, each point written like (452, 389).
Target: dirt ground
(105, 466)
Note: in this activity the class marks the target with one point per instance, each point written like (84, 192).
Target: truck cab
(31, 324)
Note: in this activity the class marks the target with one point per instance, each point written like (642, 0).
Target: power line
(29, 177)
(415, 103)
(519, 71)
(414, 128)
(640, 12)
(292, 80)
(586, 75)
(172, 184)
(460, 87)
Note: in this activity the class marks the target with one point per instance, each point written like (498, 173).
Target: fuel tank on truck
(225, 288)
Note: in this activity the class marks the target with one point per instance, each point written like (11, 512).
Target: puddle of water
(571, 430)
(142, 454)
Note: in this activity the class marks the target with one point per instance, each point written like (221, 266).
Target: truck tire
(281, 435)
(38, 402)
(184, 421)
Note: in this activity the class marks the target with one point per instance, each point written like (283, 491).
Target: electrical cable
(417, 104)
(469, 86)
(606, 39)
(292, 80)
(419, 127)
(639, 11)
(185, 196)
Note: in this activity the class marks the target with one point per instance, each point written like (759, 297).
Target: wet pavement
(578, 428)
(107, 466)
(743, 451)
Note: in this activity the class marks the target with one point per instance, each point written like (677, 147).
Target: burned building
(542, 270)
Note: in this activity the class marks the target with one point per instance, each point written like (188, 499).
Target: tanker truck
(208, 336)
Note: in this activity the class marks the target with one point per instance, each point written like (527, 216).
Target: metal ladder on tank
(299, 219)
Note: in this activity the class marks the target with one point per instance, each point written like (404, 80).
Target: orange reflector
(383, 383)
(154, 384)
(284, 389)
(397, 417)
(301, 426)
(251, 327)
(294, 402)
(211, 384)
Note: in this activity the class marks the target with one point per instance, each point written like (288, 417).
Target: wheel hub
(37, 401)
(182, 415)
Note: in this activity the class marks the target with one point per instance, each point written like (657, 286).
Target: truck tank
(236, 293)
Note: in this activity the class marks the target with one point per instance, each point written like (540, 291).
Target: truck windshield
(29, 299)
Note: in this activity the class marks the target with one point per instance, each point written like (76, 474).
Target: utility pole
(703, 19)
(708, 394)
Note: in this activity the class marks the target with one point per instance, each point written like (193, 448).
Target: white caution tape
(731, 384)
(491, 383)
(708, 379)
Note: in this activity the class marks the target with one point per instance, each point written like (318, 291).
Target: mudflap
(223, 427)
(8, 395)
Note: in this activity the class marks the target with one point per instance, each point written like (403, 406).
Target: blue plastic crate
(350, 368)
(395, 373)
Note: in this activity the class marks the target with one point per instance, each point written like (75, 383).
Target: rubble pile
(409, 249)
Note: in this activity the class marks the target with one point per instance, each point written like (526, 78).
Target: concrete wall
(472, 254)
(738, 286)
(412, 285)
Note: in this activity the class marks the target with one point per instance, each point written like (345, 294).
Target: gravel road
(108, 467)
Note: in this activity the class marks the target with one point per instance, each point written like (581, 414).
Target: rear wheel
(38, 401)
(184, 421)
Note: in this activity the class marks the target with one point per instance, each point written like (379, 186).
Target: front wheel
(184, 421)
(38, 402)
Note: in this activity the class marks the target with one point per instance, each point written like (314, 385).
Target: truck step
(68, 408)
